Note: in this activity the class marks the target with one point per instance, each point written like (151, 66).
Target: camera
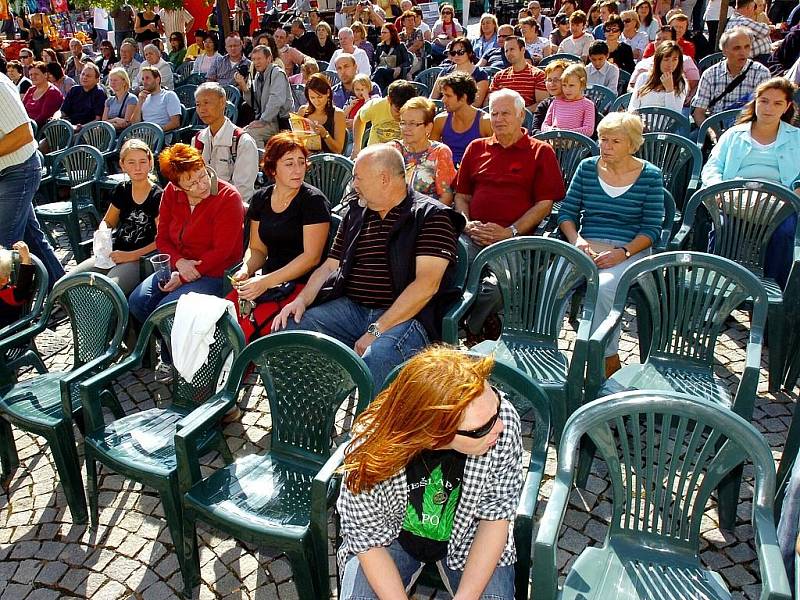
(244, 70)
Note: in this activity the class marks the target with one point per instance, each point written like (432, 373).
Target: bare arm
(462, 204)
(382, 574)
(480, 97)
(174, 123)
(438, 125)
(490, 539)
(358, 134)
(16, 139)
(699, 115)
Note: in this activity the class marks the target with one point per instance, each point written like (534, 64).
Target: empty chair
(331, 174)
(658, 119)
(601, 96)
(97, 134)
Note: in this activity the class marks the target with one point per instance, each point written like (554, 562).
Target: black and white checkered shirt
(491, 488)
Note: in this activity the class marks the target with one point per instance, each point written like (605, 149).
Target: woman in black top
(619, 53)
(329, 121)
(133, 214)
(392, 58)
(321, 46)
(289, 223)
(147, 27)
(107, 59)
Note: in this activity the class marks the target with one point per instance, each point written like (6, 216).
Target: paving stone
(51, 573)
(738, 576)
(26, 571)
(43, 594)
(111, 591)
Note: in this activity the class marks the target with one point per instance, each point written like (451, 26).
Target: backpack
(237, 133)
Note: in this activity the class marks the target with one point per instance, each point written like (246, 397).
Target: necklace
(440, 496)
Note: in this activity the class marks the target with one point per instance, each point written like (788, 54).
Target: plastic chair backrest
(185, 69)
(228, 340)
(98, 134)
(710, 60)
(601, 96)
(97, 310)
(232, 94)
(331, 173)
(621, 103)
(299, 94)
(659, 119)
(323, 65)
(33, 307)
(536, 277)
(80, 164)
(559, 56)
(150, 133)
(667, 224)
(678, 158)
(688, 297)
(718, 123)
(333, 77)
(422, 89)
(34, 128)
(307, 377)
(231, 111)
(185, 94)
(571, 148)
(622, 83)
(666, 452)
(744, 215)
(58, 133)
(428, 76)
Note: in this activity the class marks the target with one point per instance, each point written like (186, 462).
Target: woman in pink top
(42, 99)
(572, 111)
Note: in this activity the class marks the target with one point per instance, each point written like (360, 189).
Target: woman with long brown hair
(664, 86)
(329, 121)
(434, 472)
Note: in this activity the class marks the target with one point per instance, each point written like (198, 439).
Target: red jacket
(211, 233)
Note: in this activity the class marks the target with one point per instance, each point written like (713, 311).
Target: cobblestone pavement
(43, 555)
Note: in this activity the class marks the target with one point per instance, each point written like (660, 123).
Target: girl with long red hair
(433, 471)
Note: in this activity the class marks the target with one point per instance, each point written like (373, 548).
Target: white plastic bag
(101, 244)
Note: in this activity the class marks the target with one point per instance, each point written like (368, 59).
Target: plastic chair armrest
(679, 240)
(544, 577)
(774, 582)
(23, 336)
(76, 375)
(321, 483)
(188, 433)
(227, 288)
(453, 316)
(530, 489)
(92, 389)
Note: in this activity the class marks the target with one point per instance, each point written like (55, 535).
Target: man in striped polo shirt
(389, 275)
(523, 78)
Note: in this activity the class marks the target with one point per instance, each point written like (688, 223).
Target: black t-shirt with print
(137, 222)
(434, 480)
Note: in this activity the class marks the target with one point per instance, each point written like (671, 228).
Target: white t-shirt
(713, 9)
(362, 60)
(579, 47)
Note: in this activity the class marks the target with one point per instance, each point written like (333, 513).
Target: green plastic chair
(710, 61)
(150, 133)
(428, 77)
(680, 162)
(621, 103)
(59, 135)
(559, 56)
(279, 498)
(97, 134)
(26, 355)
(79, 168)
(141, 446)
(665, 453)
(422, 89)
(601, 96)
(744, 214)
(233, 95)
(658, 119)
(536, 277)
(682, 301)
(331, 174)
(714, 126)
(622, 83)
(333, 77)
(530, 401)
(47, 404)
(185, 94)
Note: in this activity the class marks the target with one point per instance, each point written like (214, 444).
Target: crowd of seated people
(458, 166)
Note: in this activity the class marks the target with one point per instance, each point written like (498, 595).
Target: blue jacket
(726, 158)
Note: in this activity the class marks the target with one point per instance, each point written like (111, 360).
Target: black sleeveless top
(148, 35)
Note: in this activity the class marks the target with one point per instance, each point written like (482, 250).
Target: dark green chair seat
(48, 404)
(280, 498)
(664, 377)
(63, 208)
(665, 454)
(623, 571)
(547, 365)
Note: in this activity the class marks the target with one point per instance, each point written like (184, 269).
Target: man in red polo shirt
(506, 186)
(521, 77)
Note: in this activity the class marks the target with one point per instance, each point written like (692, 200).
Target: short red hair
(178, 159)
(278, 146)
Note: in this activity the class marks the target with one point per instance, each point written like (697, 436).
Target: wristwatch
(625, 250)
(514, 230)
(374, 330)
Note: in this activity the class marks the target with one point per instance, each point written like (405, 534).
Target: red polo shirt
(506, 182)
(686, 46)
(525, 82)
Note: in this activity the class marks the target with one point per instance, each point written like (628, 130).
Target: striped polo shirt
(525, 82)
(12, 115)
(369, 282)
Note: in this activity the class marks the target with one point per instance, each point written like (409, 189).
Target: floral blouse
(431, 171)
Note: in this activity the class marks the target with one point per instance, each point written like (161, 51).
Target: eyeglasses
(456, 52)
(627, 20)
(412, 124)
(484, 429)
(666, 28)
(500, 36)
(552, 80)
(197, 181)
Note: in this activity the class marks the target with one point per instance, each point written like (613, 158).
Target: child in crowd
(572, 111)
(307, 69)
(552, 73)
(362, 90)
(578, 43)
(13, 298)
(601, 72)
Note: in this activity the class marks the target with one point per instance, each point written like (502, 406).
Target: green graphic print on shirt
(436, 520)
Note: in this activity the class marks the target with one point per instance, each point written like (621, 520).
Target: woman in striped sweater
(621, 202)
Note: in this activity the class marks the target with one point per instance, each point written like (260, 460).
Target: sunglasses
(456, 52)
(627, 20)
(447, 12)
(484, 429)
(612, 30)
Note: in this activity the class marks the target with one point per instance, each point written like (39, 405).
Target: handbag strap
(731, 86)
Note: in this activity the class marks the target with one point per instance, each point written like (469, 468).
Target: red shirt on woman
(42, 109)
(211, 233)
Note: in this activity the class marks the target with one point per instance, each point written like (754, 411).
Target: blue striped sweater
(639, 211)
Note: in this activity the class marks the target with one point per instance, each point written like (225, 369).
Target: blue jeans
(356, 587)
(148, 296)
(18, 222)
(347, 321)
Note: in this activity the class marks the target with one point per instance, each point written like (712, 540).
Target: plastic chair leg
(173, 512)
(728, 499)
(222, 447)
(523, 539)
(304, 579)
(65, 455)
(191, 555)
(9, 461)
(91, 488)
(585, 458)
(776, 325)
(74, 235)
(790, 450)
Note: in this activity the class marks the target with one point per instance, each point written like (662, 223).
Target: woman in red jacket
(200, 228)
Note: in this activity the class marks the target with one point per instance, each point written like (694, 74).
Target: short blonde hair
(362, 78)
(631, 14)
(628, 124)
(425, 105)
(122, 74)
(576, 70)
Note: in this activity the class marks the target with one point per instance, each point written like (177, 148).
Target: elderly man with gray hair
(153, 58)
(347, 46)
(506, 186)
(226, 148)
(390, 273)
(731, 83)
(268, 93)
